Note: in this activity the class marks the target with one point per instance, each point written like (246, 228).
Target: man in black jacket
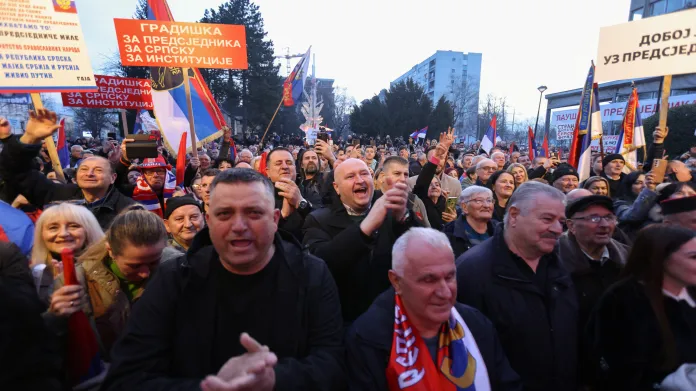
(517, 281)
(355, 236)
(281, 170)
(198, 323)
(423, 278)
(95, 176)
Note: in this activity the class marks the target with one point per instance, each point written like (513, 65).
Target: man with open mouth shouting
(355, 236)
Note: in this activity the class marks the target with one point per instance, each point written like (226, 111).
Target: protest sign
(114, 93)
(178, 44)
(610, 144)
(564, 120)
(43, 49)
(657, 46)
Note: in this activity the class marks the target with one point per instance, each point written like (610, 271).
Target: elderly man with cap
(183, 219)
(680, 211)
(612, 170)
(592, 257)
(565, 178)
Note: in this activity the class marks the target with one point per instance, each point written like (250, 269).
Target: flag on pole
(531, 143)
(419, 133)
(138, 127)
(169, 96)
(488, 141)
(595, 132)
(582, 123)
(16, 227)
(62, 146)
(293, 86)
(632, 136)
(83, 360)
(181, 161)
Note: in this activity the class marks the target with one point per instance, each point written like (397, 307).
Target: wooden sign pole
(50, 145)
(125, 123)
(664, 101)
(192, 125)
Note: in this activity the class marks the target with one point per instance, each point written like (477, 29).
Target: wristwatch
(304, 205)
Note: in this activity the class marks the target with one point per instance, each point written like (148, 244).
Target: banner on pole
(179, 44)
(43, 49)
(114, 93)
(657, 46)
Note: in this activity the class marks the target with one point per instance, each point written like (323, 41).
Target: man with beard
(450, 186)
(280, 169)
(183, 219)
(516, 279)
(311, 178)
(355, 236)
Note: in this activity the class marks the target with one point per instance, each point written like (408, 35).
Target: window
(637, 14)
(678, 92)
(658, 7)
(674, 5)
(647, 95)
(453, 59)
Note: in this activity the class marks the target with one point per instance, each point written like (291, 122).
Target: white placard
(656, 46)
(42, 48)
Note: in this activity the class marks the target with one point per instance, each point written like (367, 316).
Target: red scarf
(410, 366)
(144, 194)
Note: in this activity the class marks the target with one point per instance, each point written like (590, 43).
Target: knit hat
(157, 162)
(678, 205)
(585, 202)
(614, 156)
(563, 170)
(177, 202)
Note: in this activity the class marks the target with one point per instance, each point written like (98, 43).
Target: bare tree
(343, 106)
(465, 99)
(93, 120)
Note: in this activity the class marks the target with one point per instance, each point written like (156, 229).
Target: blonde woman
(113, 274)
(59, 227)
(519, 173)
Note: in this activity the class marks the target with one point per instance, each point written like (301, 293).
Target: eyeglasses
(594, 219)
(478, 201)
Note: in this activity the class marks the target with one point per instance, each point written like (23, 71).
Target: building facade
(457, 77)
(613, 95)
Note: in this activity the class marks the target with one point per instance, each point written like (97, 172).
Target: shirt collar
(353, 212)
(683, 295)
(602, 259)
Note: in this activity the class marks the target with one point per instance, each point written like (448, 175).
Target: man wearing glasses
(593, 258)
(484, 169)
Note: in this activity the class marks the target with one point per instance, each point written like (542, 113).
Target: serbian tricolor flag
(169, 96)
(83, 360)
(489, 139)
(62, 146)
(632, 136)
(531, 143)
(16, 227)
(138, 127)
(181, 161)
(582, 123)
(585, 162)
(293, 86)
(419, 133)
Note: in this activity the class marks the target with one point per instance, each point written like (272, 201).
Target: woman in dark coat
(644, 327)
(502, 184)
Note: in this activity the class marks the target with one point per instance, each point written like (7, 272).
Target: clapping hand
(250, 371)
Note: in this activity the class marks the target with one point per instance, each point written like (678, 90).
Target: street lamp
(541, 94)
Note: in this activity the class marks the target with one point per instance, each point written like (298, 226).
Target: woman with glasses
(644, 327)
(502, 184)
(61, 226)
(474, 225)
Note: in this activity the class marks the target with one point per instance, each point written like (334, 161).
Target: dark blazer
(167, 344)
(14, 169)
(369, 344)
(537, 328)
(358, 263)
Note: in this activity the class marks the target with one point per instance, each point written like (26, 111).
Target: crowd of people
(357, 264)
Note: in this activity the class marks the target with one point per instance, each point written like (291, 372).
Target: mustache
(550, 236)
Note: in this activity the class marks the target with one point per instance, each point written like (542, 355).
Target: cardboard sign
(114, 93)
(178, 44)
(42, 48)
(657, 46)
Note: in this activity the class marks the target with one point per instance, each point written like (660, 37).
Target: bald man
(95, 177)
(355, 236)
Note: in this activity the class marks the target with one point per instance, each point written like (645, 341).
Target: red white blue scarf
(460, 365)
(144, 194)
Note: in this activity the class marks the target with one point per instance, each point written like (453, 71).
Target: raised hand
(41, 124)
(5, 128)
(660, 134)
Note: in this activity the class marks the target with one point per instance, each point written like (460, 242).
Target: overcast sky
(365, 44)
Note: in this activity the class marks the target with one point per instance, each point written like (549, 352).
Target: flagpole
(271, 122)
(189, 103)
(664, 105)
(50, 145)
(125, 123)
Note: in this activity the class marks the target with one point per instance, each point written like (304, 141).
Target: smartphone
(323, 136)
(111, 135)
(452, 203)
(144, 146)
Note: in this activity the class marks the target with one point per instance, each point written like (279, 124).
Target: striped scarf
(460, 366)
(144, 194)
